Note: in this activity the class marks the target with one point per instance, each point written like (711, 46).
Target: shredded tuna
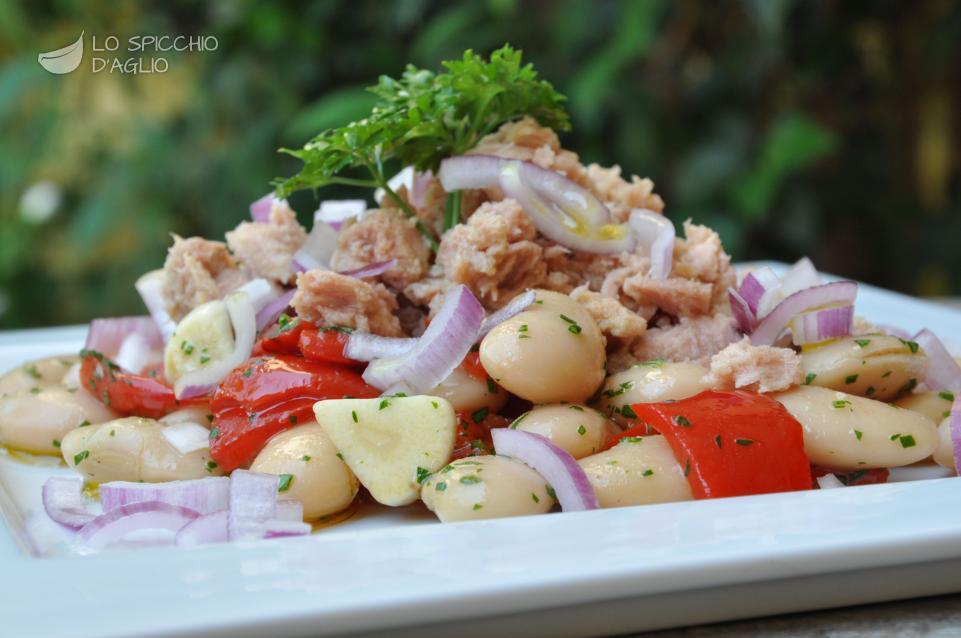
(383, 235)
(622, 196)
(676, 296)
(755, 368)
(197, 271)
(494, 254)
(266, 249)
(621, 327)
(691, 339)
(328, 298)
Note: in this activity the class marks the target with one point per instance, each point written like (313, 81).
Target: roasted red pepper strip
(126, 393)
(326, 344)
(473, 367)
(269, 395)
(474, 433)
(283, 339)
(731, 443)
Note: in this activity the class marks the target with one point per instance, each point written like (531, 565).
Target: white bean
(845, 431)
(132, 449)
(637, 471)
(577, 429)
(551, 352)
(944, 454)
(32, 375)
(469, 394)
(649, 382)
(320, 479)
(934, 405)
(485, 487)
(38, 420)
(874, 366)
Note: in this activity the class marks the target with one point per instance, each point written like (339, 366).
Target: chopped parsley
(576, 408)
(628, 412)
(84, 423)
(186, 347)
(204, 359)
(80, 457)
(858, 434)
(870, 391)
(650, 363)
(946, 395)
(717, 441)
(470, 479)
(522, 332)
(850, 379)
(862, 343)
(912, 345)
(480, 415)
(214, 434)
(744, 442)
(682, 421)
(340, 456)
(687, 467)
(908, 387)
(384, 404)
(56, 443)
(550, 492)
(305, 458)
(477, 506)
(894, 437)
(210, 418)
(573, 327)
(353, 415)
(647, 472)
(211, 466)
(31, 369)
(907, 441)
(809, 377)
(285, 481)
(840, 404)
(581, 430)
(534, 498)
(435, 404)
(491, 386)
(248, 372)
(422, 475)
(441, 486)
(632, 439)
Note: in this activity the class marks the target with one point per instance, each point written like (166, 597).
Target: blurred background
(826, 128)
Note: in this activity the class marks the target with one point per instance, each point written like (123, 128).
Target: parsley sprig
(423, 117)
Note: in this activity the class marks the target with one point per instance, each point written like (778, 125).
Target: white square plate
(577, 574)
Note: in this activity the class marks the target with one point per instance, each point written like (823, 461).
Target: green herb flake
(56, 443)
(477, 506)
(862, 343)
(214, 434)
(581, 430)
(435, 404)
(809, 377)
(850, 379)
(687, 467)
(186, 347)
(550, 492)
(211, 466)
(717, 441)
(534, 498)
(681, 421)
(858, 434)
(285, 481)
(32, 370)
(886, 374)
(632, 439)
(870, 391)
(441, 486)
(946, 395)
(340, 456)
(384, 404)
(576, 408)
(210, 418)
(204, 359)
(647, 472)
(305, 458)
(907, 441)
(353, 415)
(80, 457)
(744, 442)
(480, 414)
(628, 412)
(840, 404)
(912, 345)
(470, 479)
(491, 386)
(248, 372)
(422, 475)
(84, 423)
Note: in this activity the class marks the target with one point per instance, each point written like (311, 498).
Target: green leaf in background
(793, 143)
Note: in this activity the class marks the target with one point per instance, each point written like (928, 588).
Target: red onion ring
(771, 326)
(64, 502)
(209, 528)
(111, 528)
(253, 501)
(756, 284)
(370, 270)
(944, 373)
(654, 233)
(821, 325)
(268, 314)
(561, 471)
(742, 311)
(150, 286)
(514, 307)
(362, 346)
(954, 424)
(203, 496)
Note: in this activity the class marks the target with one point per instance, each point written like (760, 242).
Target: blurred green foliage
(819, 127)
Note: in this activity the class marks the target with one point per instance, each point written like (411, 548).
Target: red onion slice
(64, 502)
(756, 285)
(335, 212)
(954, 424)
(280, 529)
(150, 286)
(370, 270)
(289, 510)
(201, 382)
(260, 209)
(770, 327)
(261, 292)
(441, 348)
(801, 275)
(108, 335)
(741, 310)
(416, 183)
(821, 325)
(944, 373)
(253, 501)
(362, 346)
(209, 528)
(514, 307)
(203, 496)
(111, 528)
(655, 234)
(559, 469)
(136, 353)
(268, 314)
(317, 250)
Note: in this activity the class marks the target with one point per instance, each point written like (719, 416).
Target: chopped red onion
(370, 270)
(107, 335)
(260, 209)
(279, 529)
(337, 211)
(561, 471)
(187, 437)
(150, 286)
(742, 312)
(655, 234)
(801, 275)
(253, 501)
(136, 353)
(268, 314)
(362, 346)
(821, 325)
(441, 348)
(416, 183)
(64, 502)
(289, 510)
(560, 209)
(202, 381)
(114, 526)
(756, 285)
(829, 482)
(209, 528)
(203, 495)
(944, 373)
(261, 292)
(514, 307)
(317, 250)
(954, 424)
(771, 326)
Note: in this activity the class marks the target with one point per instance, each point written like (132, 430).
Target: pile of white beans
(551, 354)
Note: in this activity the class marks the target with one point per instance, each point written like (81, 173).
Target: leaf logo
(63, 60)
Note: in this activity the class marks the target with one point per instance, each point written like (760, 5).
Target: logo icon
(63, 60)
